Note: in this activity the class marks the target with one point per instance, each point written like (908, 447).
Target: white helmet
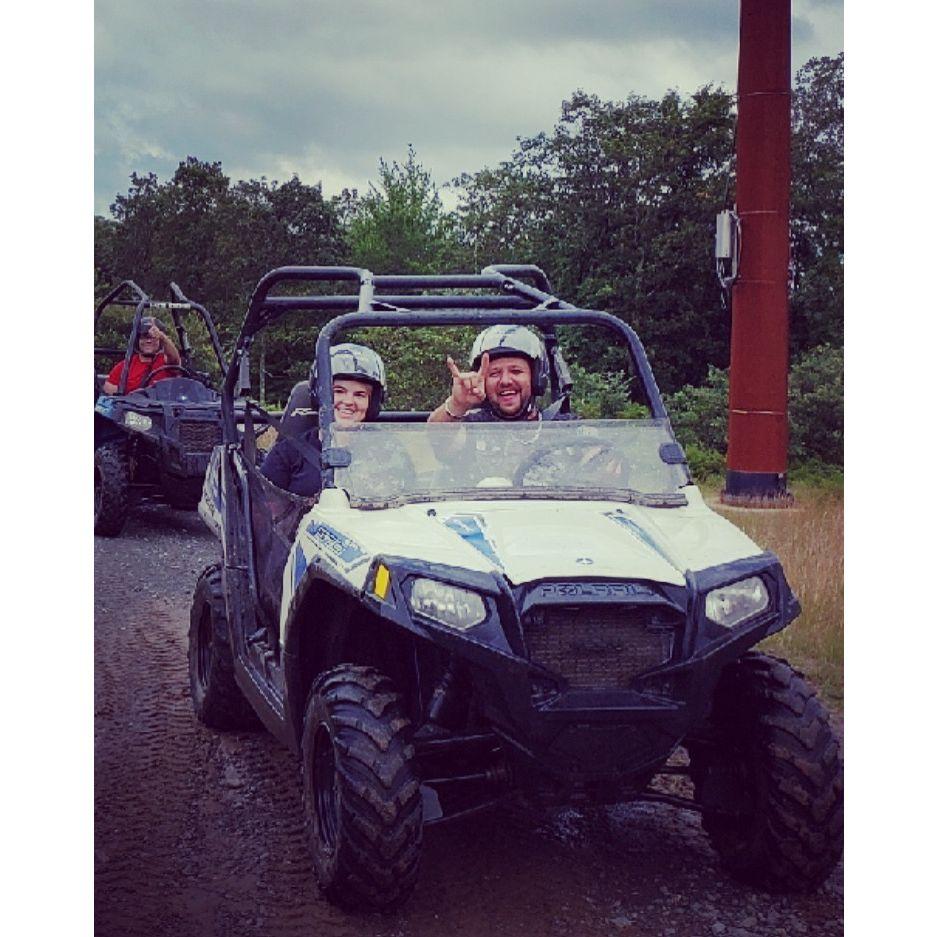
(358, 363)
(503, 340)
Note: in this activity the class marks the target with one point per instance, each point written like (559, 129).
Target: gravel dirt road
(198, 833)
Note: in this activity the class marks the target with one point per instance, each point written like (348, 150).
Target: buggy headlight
(731, 605)
(456, 608)
(137, 420)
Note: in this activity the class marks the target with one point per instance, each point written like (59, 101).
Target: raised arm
(468, 392)
(169, 349)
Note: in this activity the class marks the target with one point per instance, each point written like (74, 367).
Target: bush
(813, 473)
(816, 406)
(704, 463)
(599, 396)
(700, 414)
(815, 410)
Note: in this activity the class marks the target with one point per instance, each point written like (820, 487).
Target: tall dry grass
(808, 538)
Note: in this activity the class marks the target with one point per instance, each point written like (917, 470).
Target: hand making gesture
(468, 388)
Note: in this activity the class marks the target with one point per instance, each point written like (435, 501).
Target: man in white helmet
(509, 371)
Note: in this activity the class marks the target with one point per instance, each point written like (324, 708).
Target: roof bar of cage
(110, 299)
(442, 281)
(521, 271)
(281, 304)
(492, 278)
(254, 319)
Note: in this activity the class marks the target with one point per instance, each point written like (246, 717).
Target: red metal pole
(758, 428)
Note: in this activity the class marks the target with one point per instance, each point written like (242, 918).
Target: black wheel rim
(204, 647)
(325, 788)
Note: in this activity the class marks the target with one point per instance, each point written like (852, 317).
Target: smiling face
(148, 345)
(507, 385)
(351, 400)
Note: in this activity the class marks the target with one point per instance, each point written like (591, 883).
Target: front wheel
(361, 796)
(111, 489)
(770, 778)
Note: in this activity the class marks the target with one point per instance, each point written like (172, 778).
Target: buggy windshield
(395, 463)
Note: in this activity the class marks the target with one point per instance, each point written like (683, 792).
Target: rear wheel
(361, 796)
(111, 489)
(770, 781)
(216, 697)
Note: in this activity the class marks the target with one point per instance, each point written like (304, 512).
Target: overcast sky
(324, 88)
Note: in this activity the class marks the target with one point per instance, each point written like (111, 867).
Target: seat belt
(302, 447)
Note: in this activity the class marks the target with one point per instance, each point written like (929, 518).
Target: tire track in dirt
(196, 833)
(199, 833)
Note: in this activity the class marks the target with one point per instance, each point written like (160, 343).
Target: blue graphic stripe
(638, 531)
(472, 530)
(299, 566)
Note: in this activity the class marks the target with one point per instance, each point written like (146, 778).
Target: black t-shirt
(290, 470)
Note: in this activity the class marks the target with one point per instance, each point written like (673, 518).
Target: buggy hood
(531, 540)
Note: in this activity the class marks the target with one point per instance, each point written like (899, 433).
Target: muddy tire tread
(796, 837)
(114, 467)
(376, 861)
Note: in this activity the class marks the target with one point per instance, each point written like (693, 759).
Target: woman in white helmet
(358, 388)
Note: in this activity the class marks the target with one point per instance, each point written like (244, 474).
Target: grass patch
(809, 541)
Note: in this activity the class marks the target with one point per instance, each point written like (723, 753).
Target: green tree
(815, 409)
(617, 206)
(816, 406)
(216, 240)
(816, 309)
(700, 415)
(401, 225)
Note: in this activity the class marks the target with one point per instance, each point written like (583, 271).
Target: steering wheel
(185, 372)
(579, 450)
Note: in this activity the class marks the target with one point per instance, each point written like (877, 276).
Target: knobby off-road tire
(111, 489)
(361, 796)
(782, 766)
(216, 698)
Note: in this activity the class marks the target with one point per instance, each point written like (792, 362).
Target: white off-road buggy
(471, 612)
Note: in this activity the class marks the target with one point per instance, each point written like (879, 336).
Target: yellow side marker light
(381, 581)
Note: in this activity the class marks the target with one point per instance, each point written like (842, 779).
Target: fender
(106, 430)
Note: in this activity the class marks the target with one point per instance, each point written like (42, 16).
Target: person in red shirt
(155, 350)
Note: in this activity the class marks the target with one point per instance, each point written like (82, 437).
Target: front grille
(600, 646)
(199, 435)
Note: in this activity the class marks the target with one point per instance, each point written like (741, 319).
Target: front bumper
(573, 742)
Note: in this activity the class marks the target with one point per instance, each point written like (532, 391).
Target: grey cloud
(328, 87)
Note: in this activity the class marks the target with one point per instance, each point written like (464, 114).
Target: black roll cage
(141, 302)
(375, 304)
